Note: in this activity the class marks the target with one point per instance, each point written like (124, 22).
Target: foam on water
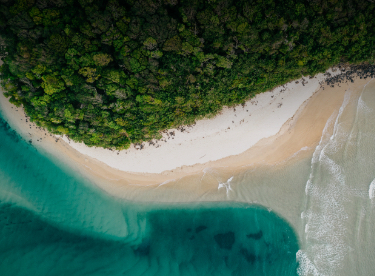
(319, 148)
(363, 106)
(226, 185)
(371, 190)
(306, 267)
(325, 215)
(330, 197)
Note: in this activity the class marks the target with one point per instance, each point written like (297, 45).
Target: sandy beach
(232, 132)
(268, 129)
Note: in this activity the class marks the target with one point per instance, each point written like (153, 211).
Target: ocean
(312, 214)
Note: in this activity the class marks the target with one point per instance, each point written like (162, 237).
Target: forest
(111, 73)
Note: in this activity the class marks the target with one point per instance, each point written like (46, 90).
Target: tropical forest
(111, 73)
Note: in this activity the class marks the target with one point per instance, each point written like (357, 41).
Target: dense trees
(111, 73)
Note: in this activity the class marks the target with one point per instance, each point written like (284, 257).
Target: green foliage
(21, 5)
(58, 43)
(52, 84)
(101, 59)
(110, 73)
(150, 43)
(173, 44)
(89, 73)
(223, 62)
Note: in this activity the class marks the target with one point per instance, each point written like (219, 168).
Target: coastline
(298, 133)
(272, 175)
(231, 132)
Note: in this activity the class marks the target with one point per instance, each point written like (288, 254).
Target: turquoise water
(54, 222)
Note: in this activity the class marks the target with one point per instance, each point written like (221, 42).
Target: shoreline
(299, 134)
(229, 133)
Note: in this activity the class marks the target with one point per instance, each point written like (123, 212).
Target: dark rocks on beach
(138, 146)
(225, 240)
(348, 73)
(181, 128)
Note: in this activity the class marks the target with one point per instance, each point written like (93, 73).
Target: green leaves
(21, 5)
(173, 44)
(85, 3)
(36, 15)
(132, 82)
(111, 35)
(112, 75)
(135, 65)
(215, 20)
(111, 88)
(150, 43)
(186, 48)
(58, 43)
(138, 61)
(241, 28)
(70, 53)
(102, 59)
(50, 16)
(223, 62)
(39, 69)
(89, 73)
(156, 54)
(52, 84)
(123, 24)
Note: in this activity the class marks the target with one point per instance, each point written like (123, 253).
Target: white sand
(229, 133)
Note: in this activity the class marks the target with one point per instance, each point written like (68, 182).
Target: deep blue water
(54, 222)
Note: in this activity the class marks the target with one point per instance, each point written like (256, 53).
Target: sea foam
(226, 185)
(325, 214)
(371, 190)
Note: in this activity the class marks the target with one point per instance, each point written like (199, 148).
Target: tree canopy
(115, 72)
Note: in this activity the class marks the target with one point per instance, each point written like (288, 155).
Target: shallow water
(54, 222)
(310, 215)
